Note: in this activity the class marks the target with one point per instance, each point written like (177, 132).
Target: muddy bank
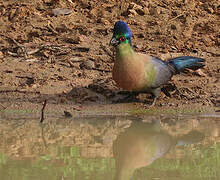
(66, 59)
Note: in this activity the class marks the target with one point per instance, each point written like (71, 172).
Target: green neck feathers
(123, 50)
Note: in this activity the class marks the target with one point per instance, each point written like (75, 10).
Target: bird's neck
(124, 50)
(124, 173)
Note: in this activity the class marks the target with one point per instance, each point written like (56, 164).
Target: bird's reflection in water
(142, 143)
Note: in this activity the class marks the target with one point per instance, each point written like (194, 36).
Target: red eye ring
(122, 38)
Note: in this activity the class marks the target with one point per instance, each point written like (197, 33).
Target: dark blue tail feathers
(189, 62)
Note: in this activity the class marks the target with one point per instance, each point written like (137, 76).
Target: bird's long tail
(189, 62)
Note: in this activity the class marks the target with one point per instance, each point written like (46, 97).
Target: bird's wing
(163, 72)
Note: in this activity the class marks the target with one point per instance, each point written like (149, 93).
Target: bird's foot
(153, 103)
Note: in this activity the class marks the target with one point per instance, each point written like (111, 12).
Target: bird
(142, 73)
(142, 143)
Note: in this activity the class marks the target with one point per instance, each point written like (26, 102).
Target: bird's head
(121, 34)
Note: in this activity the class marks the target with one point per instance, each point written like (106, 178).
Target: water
(110, 147)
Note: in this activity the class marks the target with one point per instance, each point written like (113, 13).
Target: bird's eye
(122, 38)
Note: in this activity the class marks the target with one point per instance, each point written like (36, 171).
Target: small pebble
(88, 64)
(61, 11)
(1, 54)
(67, 114)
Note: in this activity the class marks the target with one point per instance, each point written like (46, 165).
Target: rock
(207, 41)
(199, 72)
(188, 32)
(210, 10)
(12, 14)
(61, 11)
(141, 12)
(213, 50)
(173, 26)
(1, 54)
(88, 64)
(82, 49)
(67, 114)
(132, 13)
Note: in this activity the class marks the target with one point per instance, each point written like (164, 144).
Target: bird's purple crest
(121, 29)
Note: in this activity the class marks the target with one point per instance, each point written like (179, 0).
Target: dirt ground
(66, 58)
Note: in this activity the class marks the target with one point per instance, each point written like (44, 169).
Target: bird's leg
(156, 94)
(154, 101)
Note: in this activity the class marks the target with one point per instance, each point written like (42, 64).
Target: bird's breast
(129, 74)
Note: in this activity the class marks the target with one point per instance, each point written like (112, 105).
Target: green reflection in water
(61, 162)
(66, 165)
(202, 163)
(199, 163)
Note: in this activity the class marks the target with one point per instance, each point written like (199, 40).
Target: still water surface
(110, 148)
